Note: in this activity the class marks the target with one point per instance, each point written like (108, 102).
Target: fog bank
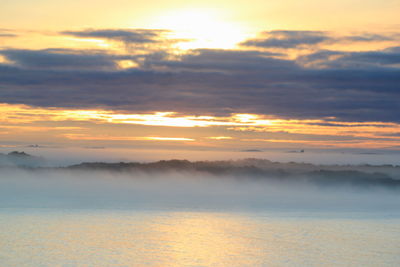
(65, 188)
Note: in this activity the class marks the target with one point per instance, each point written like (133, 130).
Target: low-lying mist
(98, 189)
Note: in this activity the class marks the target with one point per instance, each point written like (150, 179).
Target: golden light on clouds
(126, 64)
(168, 138)
(163, 119)
(21, 119)
(220, 137)
(326, 127)
(23, 113)
(2, 59)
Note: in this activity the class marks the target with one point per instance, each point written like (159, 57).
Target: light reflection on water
(152, 238)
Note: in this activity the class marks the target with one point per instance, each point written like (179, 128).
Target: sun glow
(96, 42)
(201, 28)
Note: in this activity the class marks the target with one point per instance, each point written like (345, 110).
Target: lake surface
(112, 237)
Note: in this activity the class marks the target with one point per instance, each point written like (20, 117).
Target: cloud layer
(350, 86)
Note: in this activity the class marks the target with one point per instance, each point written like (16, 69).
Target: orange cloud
(22, 119)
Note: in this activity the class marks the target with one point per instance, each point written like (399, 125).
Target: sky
(200, 75)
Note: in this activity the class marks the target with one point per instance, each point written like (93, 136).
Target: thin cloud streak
(124, 138)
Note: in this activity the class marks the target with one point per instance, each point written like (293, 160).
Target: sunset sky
(208, 75)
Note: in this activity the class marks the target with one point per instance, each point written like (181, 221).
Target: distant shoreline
(387, 176)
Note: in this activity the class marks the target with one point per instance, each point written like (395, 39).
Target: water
(112, 237)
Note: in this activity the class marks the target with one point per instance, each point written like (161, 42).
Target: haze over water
(66, 217)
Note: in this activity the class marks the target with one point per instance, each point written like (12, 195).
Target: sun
(203, 28)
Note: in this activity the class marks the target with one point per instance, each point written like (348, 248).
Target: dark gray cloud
(140, 36)
(6, 35)
(296, 39)
(389, 57)
(62, 59)
(209, 81)
(392, 134)
(288, 39)
(228, 61)
(369, 37)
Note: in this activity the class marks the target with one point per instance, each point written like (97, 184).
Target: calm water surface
(49, 237)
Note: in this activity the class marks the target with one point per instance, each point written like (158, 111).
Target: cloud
(62, 59)
(288, 39)
(219, 60)
(389, 58)
(6, 35)
(369, 37)
(139, 36)
(300, 39)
